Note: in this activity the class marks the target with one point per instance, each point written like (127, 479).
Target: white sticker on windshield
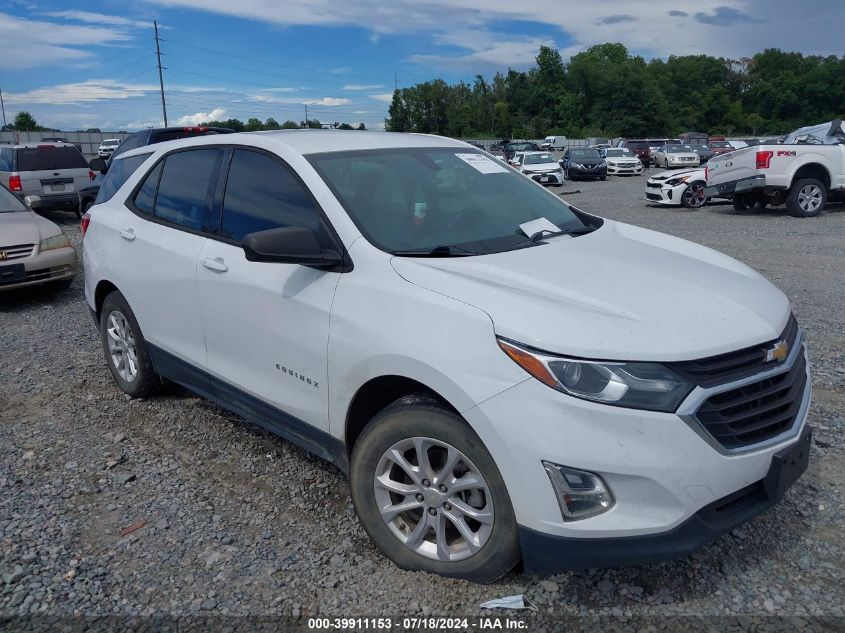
(481, 163)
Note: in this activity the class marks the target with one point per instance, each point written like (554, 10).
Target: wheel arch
(104, 289)
(813, 170)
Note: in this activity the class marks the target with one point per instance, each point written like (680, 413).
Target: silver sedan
(33, 250)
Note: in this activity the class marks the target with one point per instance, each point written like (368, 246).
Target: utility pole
(395, 82)
(160, 78)
(3, 107)
(307, 125)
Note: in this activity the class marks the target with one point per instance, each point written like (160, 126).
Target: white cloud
(99, 18)
(327, 101)
(324, 101)
(82, 92)
(363, 86)
(216, 114)
(486, 51)
(33, 43)
(386, 97)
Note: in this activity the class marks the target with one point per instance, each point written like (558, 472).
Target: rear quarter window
(119, 172)
(50, 157)
(7, 159)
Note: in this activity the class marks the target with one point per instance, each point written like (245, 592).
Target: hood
(25, 227)
(620, 293)
(697, 173)
(621, 159)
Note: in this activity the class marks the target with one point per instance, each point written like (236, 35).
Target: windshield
(619, 153)
(537, 159)
(582, 154)
(417, 199)
(637, 144)
(516, 147)
(719, 144)
(677, 149)
(115, 141)
(9, 203)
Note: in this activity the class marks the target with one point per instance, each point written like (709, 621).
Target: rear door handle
(217, 264)
(127, 234)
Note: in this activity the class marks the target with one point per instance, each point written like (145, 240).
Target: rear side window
(7, 157)
(146, 197)
(50, 157)
(261, 193)
(119, 172)
(186, 188)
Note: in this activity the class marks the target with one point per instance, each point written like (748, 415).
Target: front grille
(17, 251)
(724, 368)
(653, 185)
(758, 411)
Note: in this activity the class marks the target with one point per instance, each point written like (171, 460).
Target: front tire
(807, 198)
(429, 494)
(125, 348)
(693, 196)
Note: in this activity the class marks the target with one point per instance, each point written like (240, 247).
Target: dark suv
(142, 139)
(640, 147)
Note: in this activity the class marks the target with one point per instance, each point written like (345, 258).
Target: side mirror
(289, 245)
(33, 202)
(97, 164)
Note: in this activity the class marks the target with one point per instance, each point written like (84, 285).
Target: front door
(266, 324)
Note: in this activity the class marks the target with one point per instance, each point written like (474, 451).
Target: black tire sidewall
(400, 421)
(145, 381)
(792, 205)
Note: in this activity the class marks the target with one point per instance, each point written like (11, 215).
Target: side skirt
(247, 406)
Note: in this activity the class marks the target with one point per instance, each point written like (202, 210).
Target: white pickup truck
(803, 174)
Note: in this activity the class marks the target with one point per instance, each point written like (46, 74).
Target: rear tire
(740, 203)
(806, 199)
(125, 348)
(479, 551)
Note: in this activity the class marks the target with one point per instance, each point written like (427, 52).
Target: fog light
(580, 494)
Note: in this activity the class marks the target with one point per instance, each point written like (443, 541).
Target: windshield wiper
(581, 230)
(441, 250)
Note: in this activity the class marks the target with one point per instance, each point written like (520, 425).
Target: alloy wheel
(810, 198)
(433, 499)
(122, 348)
(694, 196)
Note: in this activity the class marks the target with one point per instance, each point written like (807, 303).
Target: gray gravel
(172, 506)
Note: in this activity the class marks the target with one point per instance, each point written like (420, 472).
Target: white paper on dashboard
(481, 163)
(540, 225)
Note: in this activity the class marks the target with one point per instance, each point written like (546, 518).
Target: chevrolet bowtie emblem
(779, 351)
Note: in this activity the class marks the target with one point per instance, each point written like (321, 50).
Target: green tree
(253, 125)
(290, 125)
(25, 122)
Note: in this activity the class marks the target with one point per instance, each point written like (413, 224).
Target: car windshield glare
(418, 199)
(537, 159)
(9, 203)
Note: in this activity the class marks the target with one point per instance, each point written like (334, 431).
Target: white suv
(501, 374)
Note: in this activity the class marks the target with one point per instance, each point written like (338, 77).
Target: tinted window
(50, 157)
(146, 196)
(262, 194)
(119, 172)
(186, 188)
(130, 142)
(9, 203)
(6, 159)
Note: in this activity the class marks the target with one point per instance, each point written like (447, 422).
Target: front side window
(261, 194)
(119, 172)
(186, 188)
(419, 199)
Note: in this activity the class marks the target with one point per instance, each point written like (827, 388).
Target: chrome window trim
(698, 395)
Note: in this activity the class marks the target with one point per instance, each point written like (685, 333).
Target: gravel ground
(170, 506)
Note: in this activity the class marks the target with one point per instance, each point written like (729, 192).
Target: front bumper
(658, 192)
(547, 178)
(52, 265)
(619, 170)
(545, 554)
(587, 172)
(663, 472)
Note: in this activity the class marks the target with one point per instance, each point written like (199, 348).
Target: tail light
(763, 159)
(706, 172)
(91, 174)
(84, 221)
(15, 183)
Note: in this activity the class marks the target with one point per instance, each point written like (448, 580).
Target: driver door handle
(217, 264)
(127, 234)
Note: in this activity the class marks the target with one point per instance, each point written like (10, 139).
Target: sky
(76, 65)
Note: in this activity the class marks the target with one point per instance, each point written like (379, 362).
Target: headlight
(603, 164)
(649, 386)
(677, 181)
(57, 241)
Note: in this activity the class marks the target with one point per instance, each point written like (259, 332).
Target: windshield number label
(482, 164)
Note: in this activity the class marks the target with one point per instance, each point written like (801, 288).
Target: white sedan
(673, 188)
(621, 161)
(542, 167)
(670, 156)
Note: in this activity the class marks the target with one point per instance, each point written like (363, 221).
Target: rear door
(51, 170)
